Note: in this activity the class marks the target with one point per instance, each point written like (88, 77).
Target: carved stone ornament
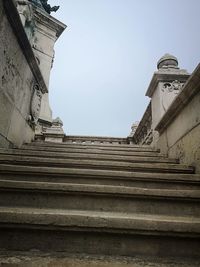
(44, 5)
(175, 86)
(35, 104)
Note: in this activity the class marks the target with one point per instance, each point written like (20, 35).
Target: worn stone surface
(6, 111)
(16, 79)
(181, 138)
(86, 217)
(103, 164)
(54, 133)
(77, 260)
(187, 149)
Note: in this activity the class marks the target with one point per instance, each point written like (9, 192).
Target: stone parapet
(179, 128)
(143, 134)
(95, 140)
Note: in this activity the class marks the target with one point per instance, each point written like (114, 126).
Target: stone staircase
(108, 199)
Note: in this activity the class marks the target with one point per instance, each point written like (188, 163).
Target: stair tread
(43, 154)
(85, 145)
(109, 149)
(101, 189)
(43, 170)
(92, 151)
(98, 219)
(170, 167)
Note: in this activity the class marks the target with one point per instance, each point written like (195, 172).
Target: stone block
(4, 143)
(6, 109)
(19, 131)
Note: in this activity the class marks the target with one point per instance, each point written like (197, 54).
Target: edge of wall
(18, 29)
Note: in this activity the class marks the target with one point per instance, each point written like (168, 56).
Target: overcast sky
(106, 57)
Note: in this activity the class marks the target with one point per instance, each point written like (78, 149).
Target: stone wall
(179, 129)
(19, 74)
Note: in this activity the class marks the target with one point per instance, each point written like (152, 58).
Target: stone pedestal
(165, 85)
(54, 133)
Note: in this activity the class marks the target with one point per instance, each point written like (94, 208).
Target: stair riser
(100, 165)
(78, 156)
(98, 243)
(96, 202)
(80, 179)
(133, 152)
(81, 152)
(81, 144)
(85, 147)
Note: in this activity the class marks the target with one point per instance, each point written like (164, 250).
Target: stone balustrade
(143, 134)
(95, 140)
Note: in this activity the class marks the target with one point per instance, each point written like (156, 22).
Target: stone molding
(166, 76)
(49, 22)
(190, 89)
(18, 29)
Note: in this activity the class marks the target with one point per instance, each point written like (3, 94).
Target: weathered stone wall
(180, 127)
(182, 138)
(16, 87)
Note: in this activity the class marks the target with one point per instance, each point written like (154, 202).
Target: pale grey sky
(106, 57)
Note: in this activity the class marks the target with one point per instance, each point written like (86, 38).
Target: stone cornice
(49, 21)
(191, 88)
(166, 76)
(18, 29)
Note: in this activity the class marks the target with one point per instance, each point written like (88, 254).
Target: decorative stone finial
(134, 128)
(168, 61)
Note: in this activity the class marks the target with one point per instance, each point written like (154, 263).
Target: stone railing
(143, 134)
(95, 140)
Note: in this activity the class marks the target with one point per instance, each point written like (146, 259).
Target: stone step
(63, 259)
(93, 176)
(100, 198)
(95, 164)
(18, 152)
(106, 233)
(97, 145)
(94, 151)
(46, 145)
(105, 180)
